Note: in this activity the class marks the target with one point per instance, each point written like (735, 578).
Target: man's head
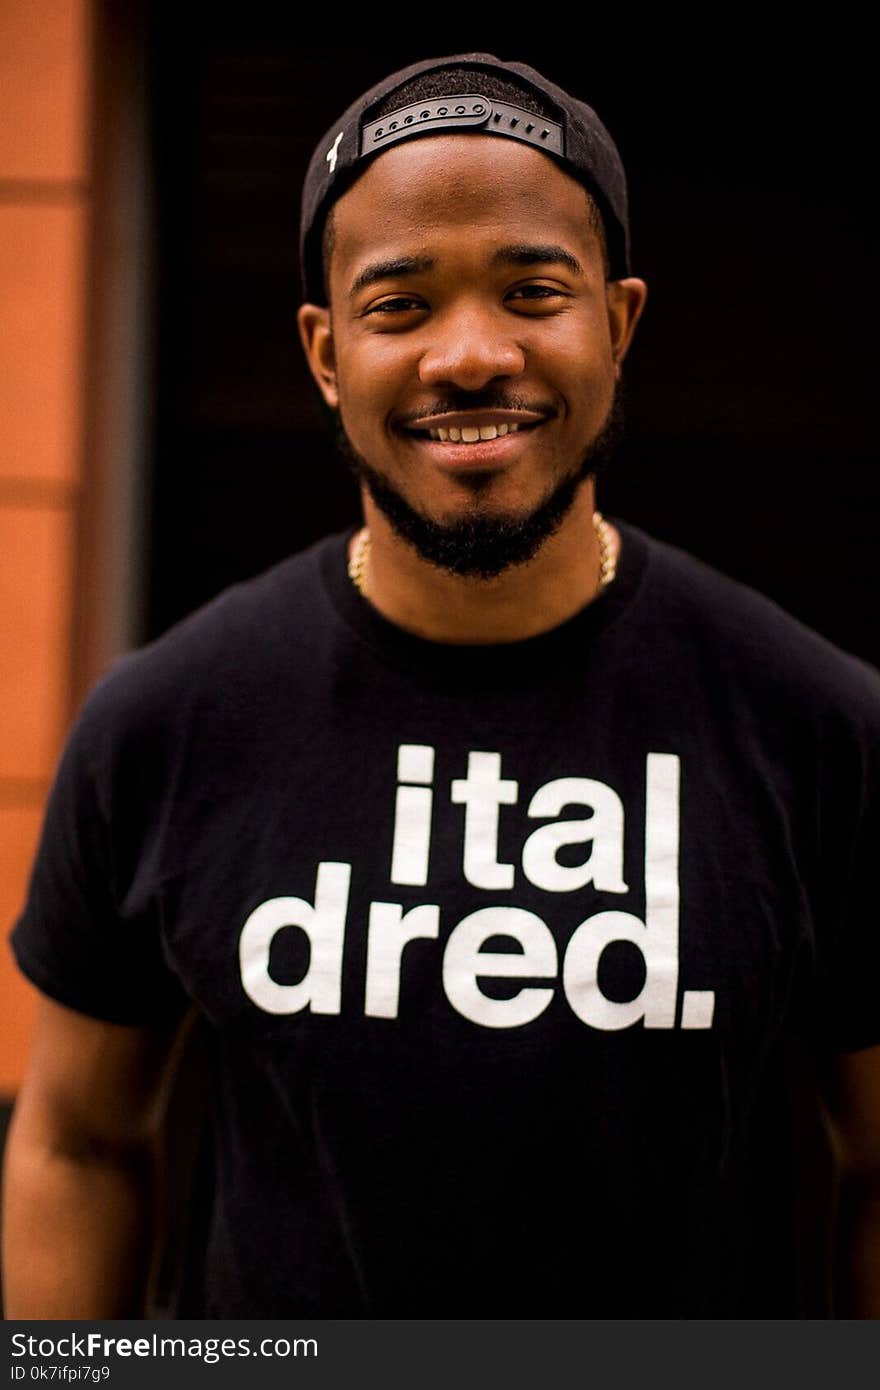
(468, 282)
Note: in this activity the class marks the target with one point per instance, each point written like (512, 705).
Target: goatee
(476, 545)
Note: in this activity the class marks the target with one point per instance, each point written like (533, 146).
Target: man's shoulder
(232, 641)
(751, 633)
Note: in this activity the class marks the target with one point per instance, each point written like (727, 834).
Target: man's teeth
(470, 434)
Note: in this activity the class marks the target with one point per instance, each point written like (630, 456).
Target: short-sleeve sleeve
(75, 939)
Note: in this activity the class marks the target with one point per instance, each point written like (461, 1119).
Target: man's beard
(476, 545)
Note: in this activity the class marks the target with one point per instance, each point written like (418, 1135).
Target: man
(499, 848)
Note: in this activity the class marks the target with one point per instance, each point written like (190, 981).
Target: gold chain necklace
(607, 559)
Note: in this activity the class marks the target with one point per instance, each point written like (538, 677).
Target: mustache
(474, 400)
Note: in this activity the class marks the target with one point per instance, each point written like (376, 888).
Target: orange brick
(19, 828)
(41, 340)
(36, 564)
(44, 68)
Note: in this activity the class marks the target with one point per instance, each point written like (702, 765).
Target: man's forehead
(472, 183)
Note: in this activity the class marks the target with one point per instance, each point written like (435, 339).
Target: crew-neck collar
(479, 661)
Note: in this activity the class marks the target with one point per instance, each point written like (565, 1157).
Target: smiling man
(473, 352)
(501, 849)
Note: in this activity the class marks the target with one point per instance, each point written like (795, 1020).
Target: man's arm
(852, 1099)
(79, 1208)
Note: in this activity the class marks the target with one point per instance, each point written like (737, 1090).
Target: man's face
(468, 298)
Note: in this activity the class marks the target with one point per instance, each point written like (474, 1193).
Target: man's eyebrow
(391, 269)
(517, 253)
(529, 253)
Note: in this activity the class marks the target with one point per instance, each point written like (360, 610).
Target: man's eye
(536, 292)
(399, 304)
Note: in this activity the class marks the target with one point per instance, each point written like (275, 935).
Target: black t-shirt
(497, 947)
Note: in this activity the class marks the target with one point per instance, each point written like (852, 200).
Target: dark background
(749, 383)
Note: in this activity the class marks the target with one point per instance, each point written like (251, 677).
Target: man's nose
(469, 349)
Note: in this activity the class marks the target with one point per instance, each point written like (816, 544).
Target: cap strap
(463, 112)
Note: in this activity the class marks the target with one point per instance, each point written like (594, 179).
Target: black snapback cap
(576, 138)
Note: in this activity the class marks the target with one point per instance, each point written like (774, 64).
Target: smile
(475, 427)
(463, 448)
(470, 434)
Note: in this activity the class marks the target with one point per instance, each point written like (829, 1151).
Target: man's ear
(626, 300)
(317, 340)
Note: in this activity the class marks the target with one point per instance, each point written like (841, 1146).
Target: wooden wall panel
(45, 226)
(35, 601)
(19, 828)
(44, 80)
(41, 342)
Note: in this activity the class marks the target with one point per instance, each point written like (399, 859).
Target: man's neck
(522, 602)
